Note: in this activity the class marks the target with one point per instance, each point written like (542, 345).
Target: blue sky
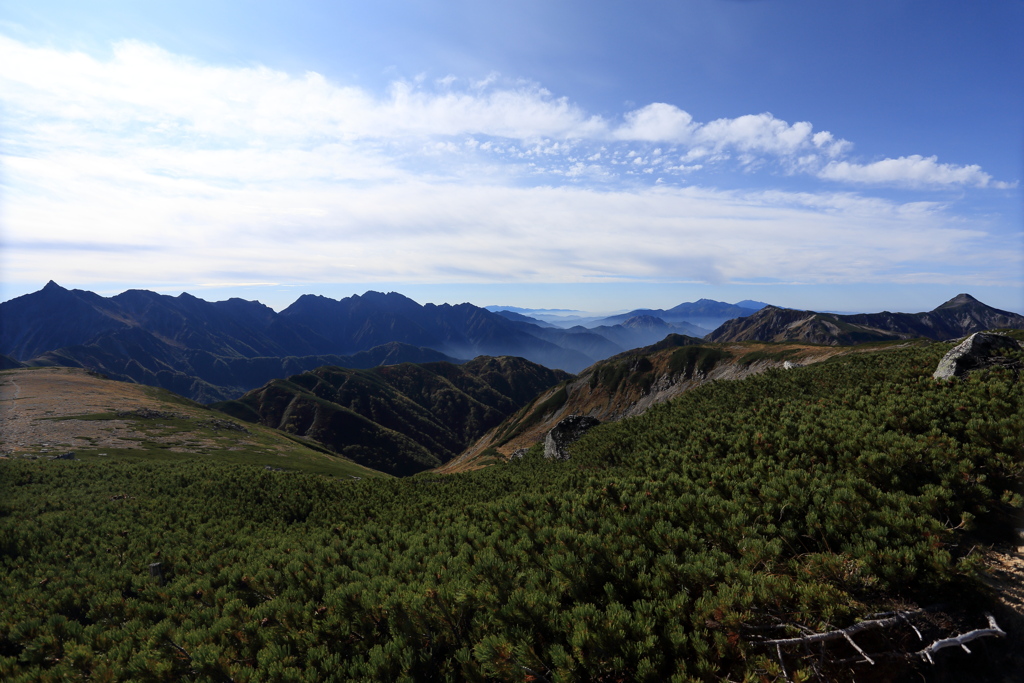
(590, 155)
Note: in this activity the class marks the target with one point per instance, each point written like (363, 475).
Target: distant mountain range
(961, 315)
(690, 317)
(211, 351)
(214, 351)
(207, 351)
(399, 419)
(703, 313)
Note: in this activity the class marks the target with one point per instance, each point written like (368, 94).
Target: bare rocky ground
(38, 407)
(47, 412)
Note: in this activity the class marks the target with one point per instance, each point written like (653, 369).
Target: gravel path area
(30, 399)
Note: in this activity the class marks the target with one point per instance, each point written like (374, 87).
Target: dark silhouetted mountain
(7, 363)
(960, 316)
(54, 317)
(401, 418)
(462, 331)
(215, 350)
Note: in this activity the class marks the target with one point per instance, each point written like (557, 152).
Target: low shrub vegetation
(663, 550)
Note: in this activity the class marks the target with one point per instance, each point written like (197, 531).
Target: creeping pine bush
(813, 496)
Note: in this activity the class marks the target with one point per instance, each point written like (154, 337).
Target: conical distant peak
(960, 300)
(52, 286)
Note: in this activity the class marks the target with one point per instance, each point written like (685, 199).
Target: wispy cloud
(254, 175)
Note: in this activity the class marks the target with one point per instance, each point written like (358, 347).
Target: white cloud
(760, 133)
(912, 171)
(523, 113)
(164, 169)
(145, 96)
(825, 141)
(657, 122)
(756, 133)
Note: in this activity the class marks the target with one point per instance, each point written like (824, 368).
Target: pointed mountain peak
(960, 300)
(52, 286)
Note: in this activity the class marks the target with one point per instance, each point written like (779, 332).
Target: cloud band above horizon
(155, 165)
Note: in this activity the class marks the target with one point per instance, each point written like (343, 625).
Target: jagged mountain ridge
(461, 330)
(55, 317)
(960, 316)
(399, 419)
(211, 351)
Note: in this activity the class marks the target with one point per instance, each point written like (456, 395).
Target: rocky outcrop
(980, 350)
(565, 433)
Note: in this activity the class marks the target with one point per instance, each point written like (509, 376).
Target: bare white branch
(845, 632)
(926, 654)
(962, 639)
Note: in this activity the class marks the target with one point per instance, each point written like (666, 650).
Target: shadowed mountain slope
(135, 355)
(960, 316)
(398, 419)
(462, 330)
(630, 383)
(216, 350)
(54, 317)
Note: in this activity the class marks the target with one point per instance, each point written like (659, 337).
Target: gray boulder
(980, 350)
(566, 432)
